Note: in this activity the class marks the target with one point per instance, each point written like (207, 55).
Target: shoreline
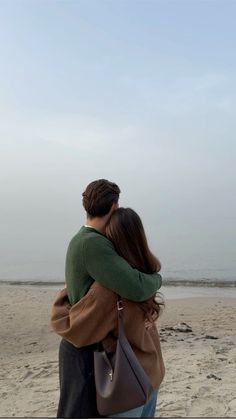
(167, 282)
(169, 292)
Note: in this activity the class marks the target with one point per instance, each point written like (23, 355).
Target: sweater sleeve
(89, 320)
(105, 266)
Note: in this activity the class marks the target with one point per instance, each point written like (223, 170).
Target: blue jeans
(145, 411)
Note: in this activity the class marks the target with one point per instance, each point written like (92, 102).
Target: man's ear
(115, 206)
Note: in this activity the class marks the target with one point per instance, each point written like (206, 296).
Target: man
(92, 257)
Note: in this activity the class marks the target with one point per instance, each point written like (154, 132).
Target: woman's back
(93, 319)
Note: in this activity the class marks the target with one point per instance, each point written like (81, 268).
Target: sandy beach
(198, 343)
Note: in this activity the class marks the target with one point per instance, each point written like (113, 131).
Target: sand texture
(200, 358)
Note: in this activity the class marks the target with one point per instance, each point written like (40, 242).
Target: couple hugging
(108, 257)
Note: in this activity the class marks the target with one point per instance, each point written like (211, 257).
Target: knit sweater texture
(92, 257)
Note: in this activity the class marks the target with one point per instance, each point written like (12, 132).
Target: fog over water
(150, 107)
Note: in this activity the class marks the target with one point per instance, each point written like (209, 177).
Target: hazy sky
(140, 92)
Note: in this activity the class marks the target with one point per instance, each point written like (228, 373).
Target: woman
(126, 232)
(94, 319)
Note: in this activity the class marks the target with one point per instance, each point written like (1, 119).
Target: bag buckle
(120, 305)
(111, 375)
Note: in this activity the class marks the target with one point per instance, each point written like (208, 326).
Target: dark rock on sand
(213, 376)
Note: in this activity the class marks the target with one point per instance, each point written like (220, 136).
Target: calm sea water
(200, 250)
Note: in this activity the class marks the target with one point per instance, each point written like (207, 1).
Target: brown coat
(94, 319)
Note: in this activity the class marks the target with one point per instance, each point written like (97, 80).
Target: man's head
(100, 197)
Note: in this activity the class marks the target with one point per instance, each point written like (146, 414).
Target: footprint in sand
(231, 408)
(207, 407)
(28, 374)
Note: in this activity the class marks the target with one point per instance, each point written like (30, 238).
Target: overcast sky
(142, 93)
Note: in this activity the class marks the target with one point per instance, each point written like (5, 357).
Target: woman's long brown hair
(126, 231)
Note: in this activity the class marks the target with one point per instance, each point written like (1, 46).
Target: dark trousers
(77, 386)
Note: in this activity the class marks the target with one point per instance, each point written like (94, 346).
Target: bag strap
(120, 308)
(121, 331)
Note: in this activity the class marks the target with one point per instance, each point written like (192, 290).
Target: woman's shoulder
(99, 291)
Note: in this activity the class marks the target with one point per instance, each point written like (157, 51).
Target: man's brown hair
(99, 196)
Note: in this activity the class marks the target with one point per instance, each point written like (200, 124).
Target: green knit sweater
(92, 257)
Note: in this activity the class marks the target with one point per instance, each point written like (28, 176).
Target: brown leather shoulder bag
(121, 382)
